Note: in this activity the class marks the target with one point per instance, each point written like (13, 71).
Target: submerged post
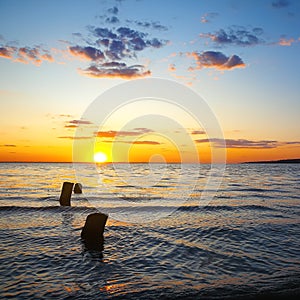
(66, 193)
(78, 188)
(92, 232)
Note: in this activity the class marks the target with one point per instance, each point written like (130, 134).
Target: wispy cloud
(286, 42)
(75, 137)
(149, 25)
(217, 60)
(113, 10)
(35, 55)
(246, 144)
(236, 35)
(198, 132)
(9, 145)
(77, 123)
(206, 18)
(114, 133)
(146, 143)
(280, 3)
(7, 52)
(118, 70)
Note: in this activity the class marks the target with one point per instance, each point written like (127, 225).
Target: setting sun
(100, 157)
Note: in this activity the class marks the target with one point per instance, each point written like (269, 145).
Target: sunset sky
(241, 57)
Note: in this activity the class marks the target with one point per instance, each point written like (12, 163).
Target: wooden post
(78, 188)
(92, 232)
(66, 193)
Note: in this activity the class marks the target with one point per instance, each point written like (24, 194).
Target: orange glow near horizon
(142, 153)
(119, 152)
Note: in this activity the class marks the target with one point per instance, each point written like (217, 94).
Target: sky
(240, 57)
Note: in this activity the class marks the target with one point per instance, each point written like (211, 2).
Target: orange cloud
(7, 52)
(35, 55)
(86, 53)
(286, 42)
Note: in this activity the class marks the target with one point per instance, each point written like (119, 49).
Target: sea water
(162, 240)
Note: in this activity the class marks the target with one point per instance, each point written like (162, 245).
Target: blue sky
(242, 57)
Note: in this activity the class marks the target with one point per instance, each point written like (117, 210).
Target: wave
(190, 208)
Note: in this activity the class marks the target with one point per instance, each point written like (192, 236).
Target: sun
(100, 157)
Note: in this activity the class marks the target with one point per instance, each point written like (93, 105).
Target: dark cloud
(198, 132)
(149, 25)
(124, 41)
(113, 10)
(236, 35)
(122, 71)
(145, 143)
(87, 53)
(112, 20)
(9, 145)
(76, 123)
(80, 122)
(114, 133)
(246, 144)
(103, 32)
(280, 3)
(109, 50)
(218, 60)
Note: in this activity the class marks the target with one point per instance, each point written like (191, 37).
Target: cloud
(114, 133)
(113, 10)
(198, 132)
(246, 144)
(106, 49)
(109, 50)
(172, 68)
(217, 60)
(236, 35)
(149, 25)
(112, 20)
(118, 70)
(286, 42)
(206, 18)
(80, 122)
(124, 41)
(9, 145)
(87, 53)
(76, 123)
(280, 3)
(35, 55)
(75, 137)
(145, 143)
(7, 52)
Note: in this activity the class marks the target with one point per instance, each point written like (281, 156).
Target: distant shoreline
(281, 161)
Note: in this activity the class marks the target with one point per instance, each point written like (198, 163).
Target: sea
(169, 234)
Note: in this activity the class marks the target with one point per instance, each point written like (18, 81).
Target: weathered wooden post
(78, 188)
(92, 232)
(66, 193)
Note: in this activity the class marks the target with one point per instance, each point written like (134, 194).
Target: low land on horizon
(281, 161)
